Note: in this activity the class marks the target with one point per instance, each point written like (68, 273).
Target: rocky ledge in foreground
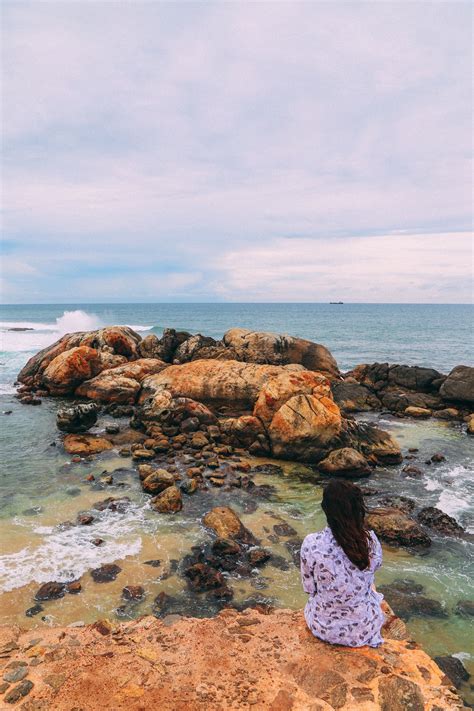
(267, 662)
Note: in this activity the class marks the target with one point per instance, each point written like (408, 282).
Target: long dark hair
(345, 511)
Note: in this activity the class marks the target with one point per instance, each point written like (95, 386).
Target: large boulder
(164, 347)
(70, 368)
(353, 397)
(168, 501)
(86, 444)
(397, 528)
(280, 349)
(113, 345)
(459, 385)
(78, 418)
(377, 376)
(214, 382)
(121, 384)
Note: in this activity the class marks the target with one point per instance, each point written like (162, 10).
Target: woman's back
(343, 607)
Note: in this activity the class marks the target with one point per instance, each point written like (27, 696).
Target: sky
(236, 151)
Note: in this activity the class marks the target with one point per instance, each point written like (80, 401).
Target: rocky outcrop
(121, 384)
(249, 659)
(459, 385)
(353, 397)
(397, 528)
(408, 600)
(280, 349)
(78, 418)
(85, 444)
(69, 369)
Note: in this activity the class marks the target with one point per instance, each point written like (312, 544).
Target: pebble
(19, 691)
(15, 675)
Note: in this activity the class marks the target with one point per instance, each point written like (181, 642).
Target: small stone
(103, 627)
(112, 429)
(84, 519)
(35, 610)
(15, 675)
(74, 587)
(97, 541)
(50, 591)
(19, 691)
(55, 681)
(154, 563)
(133, 592)
(438, 457)
(105, 573)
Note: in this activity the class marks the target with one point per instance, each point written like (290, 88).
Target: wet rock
(74, 587)
(454, 669)
(395, 527)
(169, 501)
(345, 462)
(417, 412)
(405, 597)
(258, 556)
(133, 592)
(294, 547)
(78, 418)
(284, 529)
(35, 610)
(225, 546)
(459, 385)
(111, 503)
(18, 692)
(190, 486)
(202, 577)
(158, 481)
(272, 469)
(403, 503)
(437, 458)
(112, 429)
(84, 519)
(464, 608)
(86, 444)
(106, 573)
(448, 413)
(154, 563)
(143, 454)
(411, 470)
(439, 521)
(50, 591)
(226, 524)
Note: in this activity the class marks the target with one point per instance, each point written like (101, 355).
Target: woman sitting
(337, 570)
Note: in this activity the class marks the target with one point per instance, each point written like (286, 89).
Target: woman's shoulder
(313, 539)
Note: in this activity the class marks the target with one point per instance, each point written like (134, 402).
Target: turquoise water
(40, 487)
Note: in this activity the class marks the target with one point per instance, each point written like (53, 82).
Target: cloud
(413, 268)
(139, 136)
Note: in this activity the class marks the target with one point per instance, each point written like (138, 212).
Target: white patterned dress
(342, 607)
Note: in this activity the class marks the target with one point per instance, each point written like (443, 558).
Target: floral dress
(343, 608)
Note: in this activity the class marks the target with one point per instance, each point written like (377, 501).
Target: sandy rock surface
(266, 662)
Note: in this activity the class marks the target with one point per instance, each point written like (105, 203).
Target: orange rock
(120, 384)
(85, 444)
(69, 369)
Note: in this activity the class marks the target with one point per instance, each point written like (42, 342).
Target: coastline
(263, 660)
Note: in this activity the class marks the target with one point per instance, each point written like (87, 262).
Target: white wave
(454, 488)
(137, 327)
(66, 555)
(77, 320)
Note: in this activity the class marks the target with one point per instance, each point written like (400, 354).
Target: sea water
(41, 488)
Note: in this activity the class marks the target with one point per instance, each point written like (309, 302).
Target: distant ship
(336, 302)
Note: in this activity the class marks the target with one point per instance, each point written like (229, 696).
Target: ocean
(41, 488)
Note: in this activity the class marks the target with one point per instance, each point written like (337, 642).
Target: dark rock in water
(395, 527)
(438, 457)
(154, 563)
(407, 601)
(113, 504)
(439, 521)
(78, 418)
(168, 501)
(74, 587)
(459, 385)
(73, 491)
(105, 573)
(222, 594)
(226, 524)
(464, 608)
(50, 591)
(163, 602)
(258, 556)
(454, 669)
(284, 529)
(84, 519)
(410, 470)
(133, 592)
(97, 541)
(112, 429)
(273, 469)
(34, 511)
(7, 412)
(202, 577)
(278, 561)
(225, 546)
(35, 610)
